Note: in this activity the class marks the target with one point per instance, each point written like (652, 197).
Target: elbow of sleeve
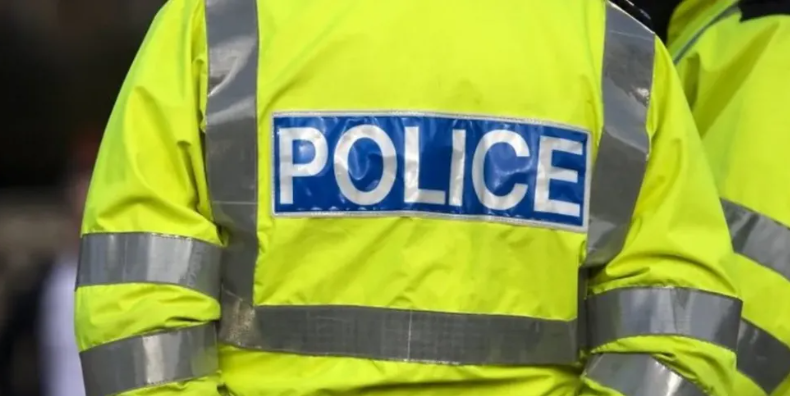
(146, 312)
(631, 374)
(680, 341)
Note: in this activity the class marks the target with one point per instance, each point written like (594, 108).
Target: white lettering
(342, 169)
(411, 175)
(488, 198)
(457, 168)
(548, 172)
(289, 170)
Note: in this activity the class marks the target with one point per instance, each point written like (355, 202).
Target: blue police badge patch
(433, 165)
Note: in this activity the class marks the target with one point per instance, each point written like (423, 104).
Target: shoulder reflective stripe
(149, 258)
(149, 360)
(721, 16)
(624, 145)
(401, 335)
(232, 135)
(759, 237)
(630, 312)
(638, 375)
(762, 358)
(635, 11)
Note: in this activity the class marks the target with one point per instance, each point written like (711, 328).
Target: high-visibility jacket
(734, 62)
(399, 197)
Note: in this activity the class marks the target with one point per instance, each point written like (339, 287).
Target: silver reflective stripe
(762, 358)
(232, 135)
(624, 146)
(401, 335)
(149, 360)
(759, 237)
(638, 375)
(631, 312)
(108, 259)
(721, 16)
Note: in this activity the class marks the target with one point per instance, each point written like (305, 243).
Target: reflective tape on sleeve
(762, 358)
(399, 335)
(638, 375)
(231, 144)
(624, 145)
(759, 237)
(108, 259)
(630, 312)
(150, 360)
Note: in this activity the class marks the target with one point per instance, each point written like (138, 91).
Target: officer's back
(406, 192)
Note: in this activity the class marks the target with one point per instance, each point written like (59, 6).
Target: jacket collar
(692, 16)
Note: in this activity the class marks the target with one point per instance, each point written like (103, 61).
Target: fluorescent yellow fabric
(736, 80)
(401, 55)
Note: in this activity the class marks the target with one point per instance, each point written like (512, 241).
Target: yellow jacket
(400, 197)
(734, 63)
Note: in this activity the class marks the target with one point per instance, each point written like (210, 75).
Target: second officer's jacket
(733, 58)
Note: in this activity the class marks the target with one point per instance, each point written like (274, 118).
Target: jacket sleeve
(663, 313)
(148, 280)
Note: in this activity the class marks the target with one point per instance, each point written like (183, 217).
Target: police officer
(397, 198)
(733, 58)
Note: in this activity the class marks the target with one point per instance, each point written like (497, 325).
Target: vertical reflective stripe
(624, 145)
(148, 360)
(149, 258)
(759, 237)
(762, 358)
(232, 135)
(638, 375)
(582, 314)
(631, 312)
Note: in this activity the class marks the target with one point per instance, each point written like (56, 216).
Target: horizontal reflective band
(759, 237)
(107, 259)
(401, 335)
(638, 375)
(149, 360)
(630, 312)
(762, 358)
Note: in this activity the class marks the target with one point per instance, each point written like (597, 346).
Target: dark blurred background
(61, 65)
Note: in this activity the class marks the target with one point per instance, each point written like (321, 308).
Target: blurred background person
(61, 67)
(59, 356)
